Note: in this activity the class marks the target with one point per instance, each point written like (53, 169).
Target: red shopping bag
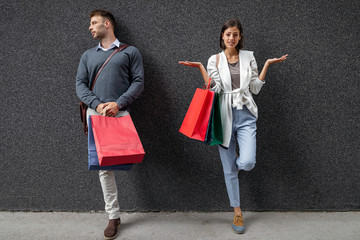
(116, 140)
(197, 118)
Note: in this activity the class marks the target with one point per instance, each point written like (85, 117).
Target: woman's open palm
(277, 60)
(190, 64)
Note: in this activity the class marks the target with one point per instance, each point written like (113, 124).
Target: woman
(234, 75)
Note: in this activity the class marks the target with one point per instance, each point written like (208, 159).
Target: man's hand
(100, 108)
(112, 109)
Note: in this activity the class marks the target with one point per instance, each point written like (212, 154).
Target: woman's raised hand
(268, 63)
(191, 64)
(277, 60)
(199, 65)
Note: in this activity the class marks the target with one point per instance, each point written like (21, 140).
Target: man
(120, 82)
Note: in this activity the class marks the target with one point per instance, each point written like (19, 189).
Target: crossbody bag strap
(119, 49)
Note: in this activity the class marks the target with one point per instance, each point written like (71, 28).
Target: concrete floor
(179, 225)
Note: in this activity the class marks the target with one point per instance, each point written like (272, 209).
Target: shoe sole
(108, 238)
(238, 232)
(117, 233)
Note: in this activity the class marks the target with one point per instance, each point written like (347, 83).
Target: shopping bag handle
(208, 86)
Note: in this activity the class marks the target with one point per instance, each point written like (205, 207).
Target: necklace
(232, 58)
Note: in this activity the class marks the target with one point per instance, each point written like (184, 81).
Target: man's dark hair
(233, 22)
(105, 14)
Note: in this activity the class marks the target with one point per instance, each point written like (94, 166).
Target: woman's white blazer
(249, 83)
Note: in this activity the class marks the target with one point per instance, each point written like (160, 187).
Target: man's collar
(116, 43)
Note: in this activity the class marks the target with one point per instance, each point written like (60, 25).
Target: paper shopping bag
(93, 161)
(214, 135)
(116, 140)
(197, 118)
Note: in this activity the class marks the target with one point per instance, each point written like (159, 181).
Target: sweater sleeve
(213, 73)
(82, 85)
(136, 80)
(255, 83)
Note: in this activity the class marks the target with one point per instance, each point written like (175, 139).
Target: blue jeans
(244, 131)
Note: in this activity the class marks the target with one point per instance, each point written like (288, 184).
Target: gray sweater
(121, 80)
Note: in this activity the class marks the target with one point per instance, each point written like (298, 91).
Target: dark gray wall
(308, 127)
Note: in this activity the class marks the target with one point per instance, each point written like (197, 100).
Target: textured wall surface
(308, 127)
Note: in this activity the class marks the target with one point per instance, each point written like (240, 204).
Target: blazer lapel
(225, 72)
(244, 68)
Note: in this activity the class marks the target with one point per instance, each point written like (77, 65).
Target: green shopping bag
(214, 134)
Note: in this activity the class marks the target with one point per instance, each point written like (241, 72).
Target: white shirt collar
(116, 43)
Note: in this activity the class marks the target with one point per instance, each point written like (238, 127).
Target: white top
(116, 43)
(249, 83)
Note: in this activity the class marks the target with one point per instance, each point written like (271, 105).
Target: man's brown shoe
(111, 230)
